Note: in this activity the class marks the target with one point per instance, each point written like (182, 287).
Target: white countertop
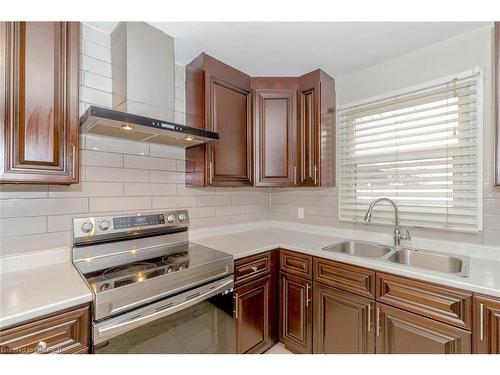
(33, 292)
(484, 273)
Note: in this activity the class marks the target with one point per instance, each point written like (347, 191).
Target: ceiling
(294, 48)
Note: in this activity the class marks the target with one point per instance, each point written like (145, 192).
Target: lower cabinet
(253, 316)
(343, 322)
(402, 332)
(296, 313)
(61, 333)
(487, 325)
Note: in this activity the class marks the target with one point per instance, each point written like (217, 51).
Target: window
(420, 147)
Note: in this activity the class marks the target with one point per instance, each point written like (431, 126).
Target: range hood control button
(87, 227)
(104, 225)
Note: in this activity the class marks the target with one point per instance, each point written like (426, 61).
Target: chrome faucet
(398, 234)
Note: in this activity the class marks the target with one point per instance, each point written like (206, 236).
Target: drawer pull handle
(378, 322)
(41, 347)
(481, 321)
(254, 269)
(369, 317)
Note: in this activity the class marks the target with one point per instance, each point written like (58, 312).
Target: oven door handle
(103, 331)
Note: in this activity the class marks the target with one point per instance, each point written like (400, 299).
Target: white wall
(116, 176)
(442, 59)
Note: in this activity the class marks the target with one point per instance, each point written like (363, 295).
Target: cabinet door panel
(401, 332)
(252, 320)
(232, 154)
(486, 325)
(308, 136)
(296, 313)
(39, 101)
(275, 137)
(343, 322)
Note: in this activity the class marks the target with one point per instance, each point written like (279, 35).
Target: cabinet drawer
(66, 332)
(346, 277)
(437, 302)
(296, 263)
(253, 267)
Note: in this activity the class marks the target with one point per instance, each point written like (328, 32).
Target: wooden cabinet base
(402, 332)
(487, 325)
(63, 333)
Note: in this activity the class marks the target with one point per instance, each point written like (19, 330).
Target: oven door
(197, 321)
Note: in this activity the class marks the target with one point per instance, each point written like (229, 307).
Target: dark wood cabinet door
(39, 63)
(296, 313)
(343, 322)
(230, 158)
(218, 98)
(308, 136)
(66, 332)
(252, 313)
(486, 325)
(402, 332)
(275, 137)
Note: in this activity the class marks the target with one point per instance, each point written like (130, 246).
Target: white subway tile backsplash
(146, 162)
(38, 207)
(89, 64)
(96, 81)
(101, 159)
(19, 226)
(35, 242)
(86, 189)
(116, 174)
(119, 203)
(166, 151)
(97, 51)
(174, 202)
(23, 191)
(96, 97)
(167, 177)
(95, 35)
(148, 189)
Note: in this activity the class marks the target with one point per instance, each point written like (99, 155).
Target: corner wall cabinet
(274, 131)
(218, 98)
(39, 73)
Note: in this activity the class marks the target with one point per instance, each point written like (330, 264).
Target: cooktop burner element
(129, 269)
(130, 261)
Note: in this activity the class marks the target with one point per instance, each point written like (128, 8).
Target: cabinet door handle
(369, 317)
(210, 173)
(481, 321)
(295, 175)
(316, 175)
(378, 322)
(73, 162)
(236, 306)
(308, 300)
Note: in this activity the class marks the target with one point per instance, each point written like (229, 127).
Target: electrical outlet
(300, 213)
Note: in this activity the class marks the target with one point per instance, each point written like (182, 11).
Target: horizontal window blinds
(418, 147)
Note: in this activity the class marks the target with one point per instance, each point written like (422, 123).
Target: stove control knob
(104, 225)
(87, 227)
(171, 218)
(104, 287)
(182, 217)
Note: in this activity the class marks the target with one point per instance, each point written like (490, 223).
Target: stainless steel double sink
(415, 258)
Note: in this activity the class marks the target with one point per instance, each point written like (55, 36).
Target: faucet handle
(407, 235)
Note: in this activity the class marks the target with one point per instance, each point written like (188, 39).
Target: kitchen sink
(359, 248)
(431, 260)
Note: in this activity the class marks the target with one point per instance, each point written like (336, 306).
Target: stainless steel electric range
(153, 290)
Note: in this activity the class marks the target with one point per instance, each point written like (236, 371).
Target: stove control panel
(85, 229)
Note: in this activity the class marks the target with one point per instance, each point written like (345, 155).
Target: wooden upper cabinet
(343, 322)
(218, 98)
(402, 332)
(316, 130)
(486, 333)
(39, 72)
(496, 50)
(275, 117)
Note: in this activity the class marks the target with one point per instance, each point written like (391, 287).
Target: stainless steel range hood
(143, 90)
(112, 123)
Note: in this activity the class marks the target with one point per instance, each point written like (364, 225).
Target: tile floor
(279, 348)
